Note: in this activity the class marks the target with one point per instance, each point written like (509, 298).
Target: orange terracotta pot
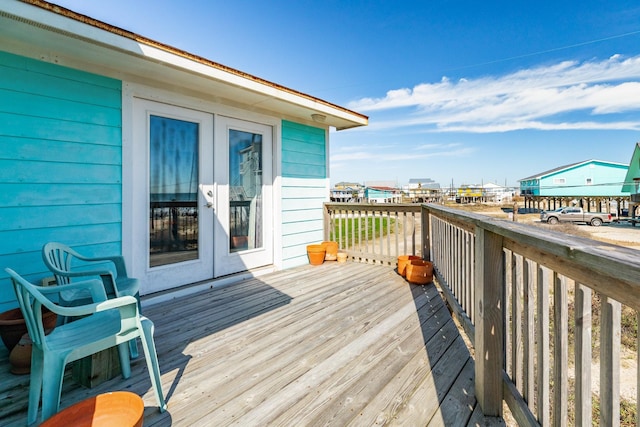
(20, 356)
(419, 272)
(13, 326)
(120, 408)
(342, 257)
(403, 260)
(316, 254)
(239, 242)
(331, 251)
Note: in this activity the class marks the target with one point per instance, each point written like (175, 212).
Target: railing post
(426, 243)
(326, 217)
(489, 335)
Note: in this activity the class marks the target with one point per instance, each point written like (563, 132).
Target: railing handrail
(576, 256)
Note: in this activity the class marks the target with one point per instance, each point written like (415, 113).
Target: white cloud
(589, 92)
(347, 154)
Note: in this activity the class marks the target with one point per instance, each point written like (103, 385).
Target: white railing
(528, 299)
(374, 233)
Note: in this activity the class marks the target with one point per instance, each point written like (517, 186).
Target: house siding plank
(60, 164)
(59, 109)
(19, 171)
(59, 151)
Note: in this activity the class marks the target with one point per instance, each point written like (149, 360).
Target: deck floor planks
(351, 354)
(310, 342)
(345, 394)
(328, 345)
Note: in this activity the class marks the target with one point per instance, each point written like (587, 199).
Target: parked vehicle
(575, 215)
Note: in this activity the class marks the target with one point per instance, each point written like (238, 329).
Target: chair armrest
(84, 310)
(95, 287)
(107, 276)
(117, 260)
(81, 273)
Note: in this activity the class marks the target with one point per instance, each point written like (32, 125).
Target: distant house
(348, 185)
(382, 195)
(420, 190)
(495, 193)
(469, 193)
(631, 185)
(347, 192)
(589, 183)
(117, 144)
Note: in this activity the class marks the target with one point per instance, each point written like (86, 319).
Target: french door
(201, 200)
(243, 176)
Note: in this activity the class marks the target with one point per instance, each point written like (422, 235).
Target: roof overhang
(47, 32)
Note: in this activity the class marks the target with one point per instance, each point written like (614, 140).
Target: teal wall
(606, 180)
(60, 164)
(304, 189)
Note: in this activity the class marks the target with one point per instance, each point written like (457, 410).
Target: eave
(47, 32)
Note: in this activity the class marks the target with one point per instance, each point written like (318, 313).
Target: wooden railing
(543, 310)
(374, 233)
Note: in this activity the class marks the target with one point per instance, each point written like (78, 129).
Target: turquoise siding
(60, 164)
(304, 190)
(304, 152)
(530, 187)
(606, 180)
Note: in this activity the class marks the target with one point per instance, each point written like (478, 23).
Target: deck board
(337, 344)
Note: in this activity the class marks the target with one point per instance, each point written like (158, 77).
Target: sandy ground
(620, 233)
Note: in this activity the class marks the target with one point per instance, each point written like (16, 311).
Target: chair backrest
(31, 301)
(58, 256)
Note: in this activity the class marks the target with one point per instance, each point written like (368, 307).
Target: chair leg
(125, 364)
(133, 349)
(133, 344)
(149, 347)
(35, 386)
(52, 385)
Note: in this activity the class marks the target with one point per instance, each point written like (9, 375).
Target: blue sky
(460, 91)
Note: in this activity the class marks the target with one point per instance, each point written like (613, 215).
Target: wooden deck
(337, 344)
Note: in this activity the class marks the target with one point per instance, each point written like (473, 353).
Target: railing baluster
(381, 225)
(388, 232)
(583, 354)
(542, 331)
(516, 321)
(560, 351)
(508, 290)
(610, 315)
(529, 273)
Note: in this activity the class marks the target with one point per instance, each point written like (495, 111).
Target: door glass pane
(245, 190)
(173, 187)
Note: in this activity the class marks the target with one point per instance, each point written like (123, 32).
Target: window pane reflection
(245, 190)
(173, 187)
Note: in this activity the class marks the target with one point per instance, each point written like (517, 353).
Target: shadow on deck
(337, 344)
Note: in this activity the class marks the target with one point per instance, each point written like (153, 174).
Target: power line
(541, 52)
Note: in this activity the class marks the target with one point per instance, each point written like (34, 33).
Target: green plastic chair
(102, 324)
(67, 264)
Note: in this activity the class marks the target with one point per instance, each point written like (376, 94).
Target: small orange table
(120, 408)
